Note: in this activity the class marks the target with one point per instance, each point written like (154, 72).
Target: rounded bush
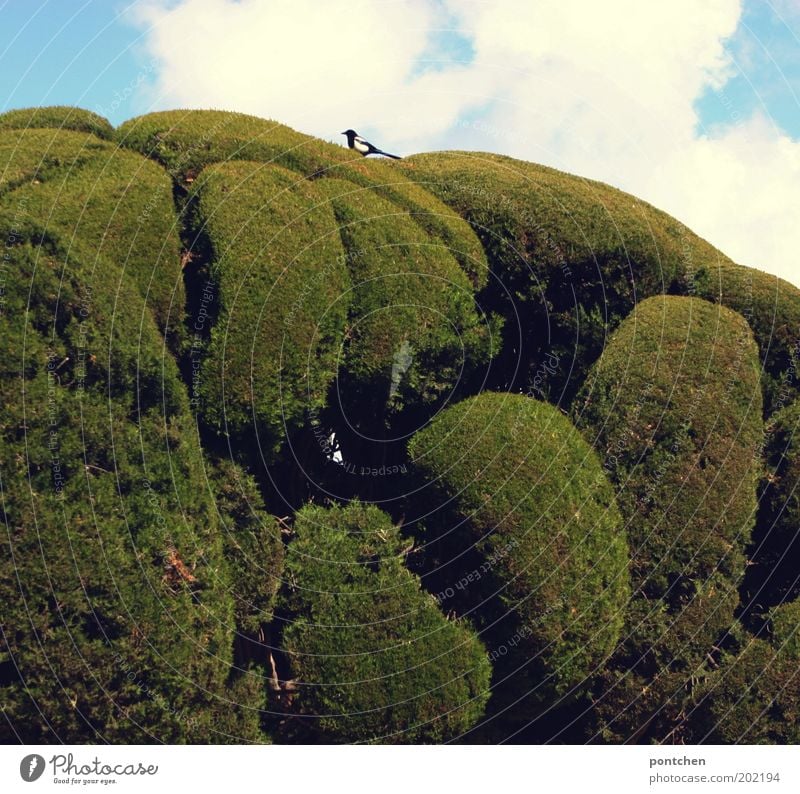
(571, 257)
(409, 294)
(673, 406)
(118, 616)
(59, 117)
(515, 479)
(279, 292)
(372, 656)
(116, 204)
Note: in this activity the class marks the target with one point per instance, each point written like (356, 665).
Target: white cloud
(605, 90)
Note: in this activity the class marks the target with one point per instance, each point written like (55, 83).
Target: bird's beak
(342, 133)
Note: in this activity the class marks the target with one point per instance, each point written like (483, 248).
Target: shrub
(115, 203)
(282, 295)
(57, 117)
(674, 408)
(775, 577)
(374, 658)
(185, 141)
(118, 619)
(570, 258)
(754, 696)
(409, 293)
(514, 478)
(253, 546)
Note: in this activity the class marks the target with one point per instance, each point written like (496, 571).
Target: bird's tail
(393, 156)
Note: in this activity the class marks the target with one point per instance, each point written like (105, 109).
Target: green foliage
(674, 407)
(115, 204)
(754, 696)
(374, 658)
(185, 141)
(572, 257)
(282, 296)
(775, 577)
(409, 293)
(59, 117)
(531, 496)
(117, 608)
(253, 546)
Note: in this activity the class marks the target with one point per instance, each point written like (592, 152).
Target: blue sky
(695, 107)
(87, 52)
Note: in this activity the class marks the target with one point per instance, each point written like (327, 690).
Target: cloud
(606, 90)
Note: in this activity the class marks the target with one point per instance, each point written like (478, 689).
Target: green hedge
(372, 656)
(118, 619)
(775, 577)
(280, 293)
(409, 293)
(185, 141)
(754, 695)
(570, 259)
(673, 406)
(59, 117)
(115, 204)
(530, 495)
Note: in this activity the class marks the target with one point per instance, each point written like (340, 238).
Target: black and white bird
(355, 141)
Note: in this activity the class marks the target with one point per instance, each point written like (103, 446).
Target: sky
(693, 106)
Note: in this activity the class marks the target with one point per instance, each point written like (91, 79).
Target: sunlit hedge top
(60, 117)
(114, 203)
(583, 253)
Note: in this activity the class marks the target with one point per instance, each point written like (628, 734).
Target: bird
(355, 141)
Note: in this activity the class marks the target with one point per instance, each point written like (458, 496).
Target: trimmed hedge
(253, 546)
(754, 696)
(529, 493)
(674, 408)
(115, 203)
(280, 290)
(571, 258)
(118, 619)
(373, 657)
(408, 293)
(185, 141)
(59, 117)
(775, 578)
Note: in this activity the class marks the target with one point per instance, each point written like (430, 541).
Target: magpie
(355, 141)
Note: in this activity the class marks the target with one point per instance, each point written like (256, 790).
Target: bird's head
(349, 133)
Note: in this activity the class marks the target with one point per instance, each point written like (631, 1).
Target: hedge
(512, 477)
(118, 622)
(115, 203)
(373, 658)
(673, 406)
(570, 258)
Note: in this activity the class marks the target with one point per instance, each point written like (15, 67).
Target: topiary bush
(114, 203)
(511, 477)
(754, 695)
(570, 258)
(118, 620)
(372, 656)
(59, 117)
(185, 141)
(409, 293)
(775, 576)
(281, 293)
(673, 406)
